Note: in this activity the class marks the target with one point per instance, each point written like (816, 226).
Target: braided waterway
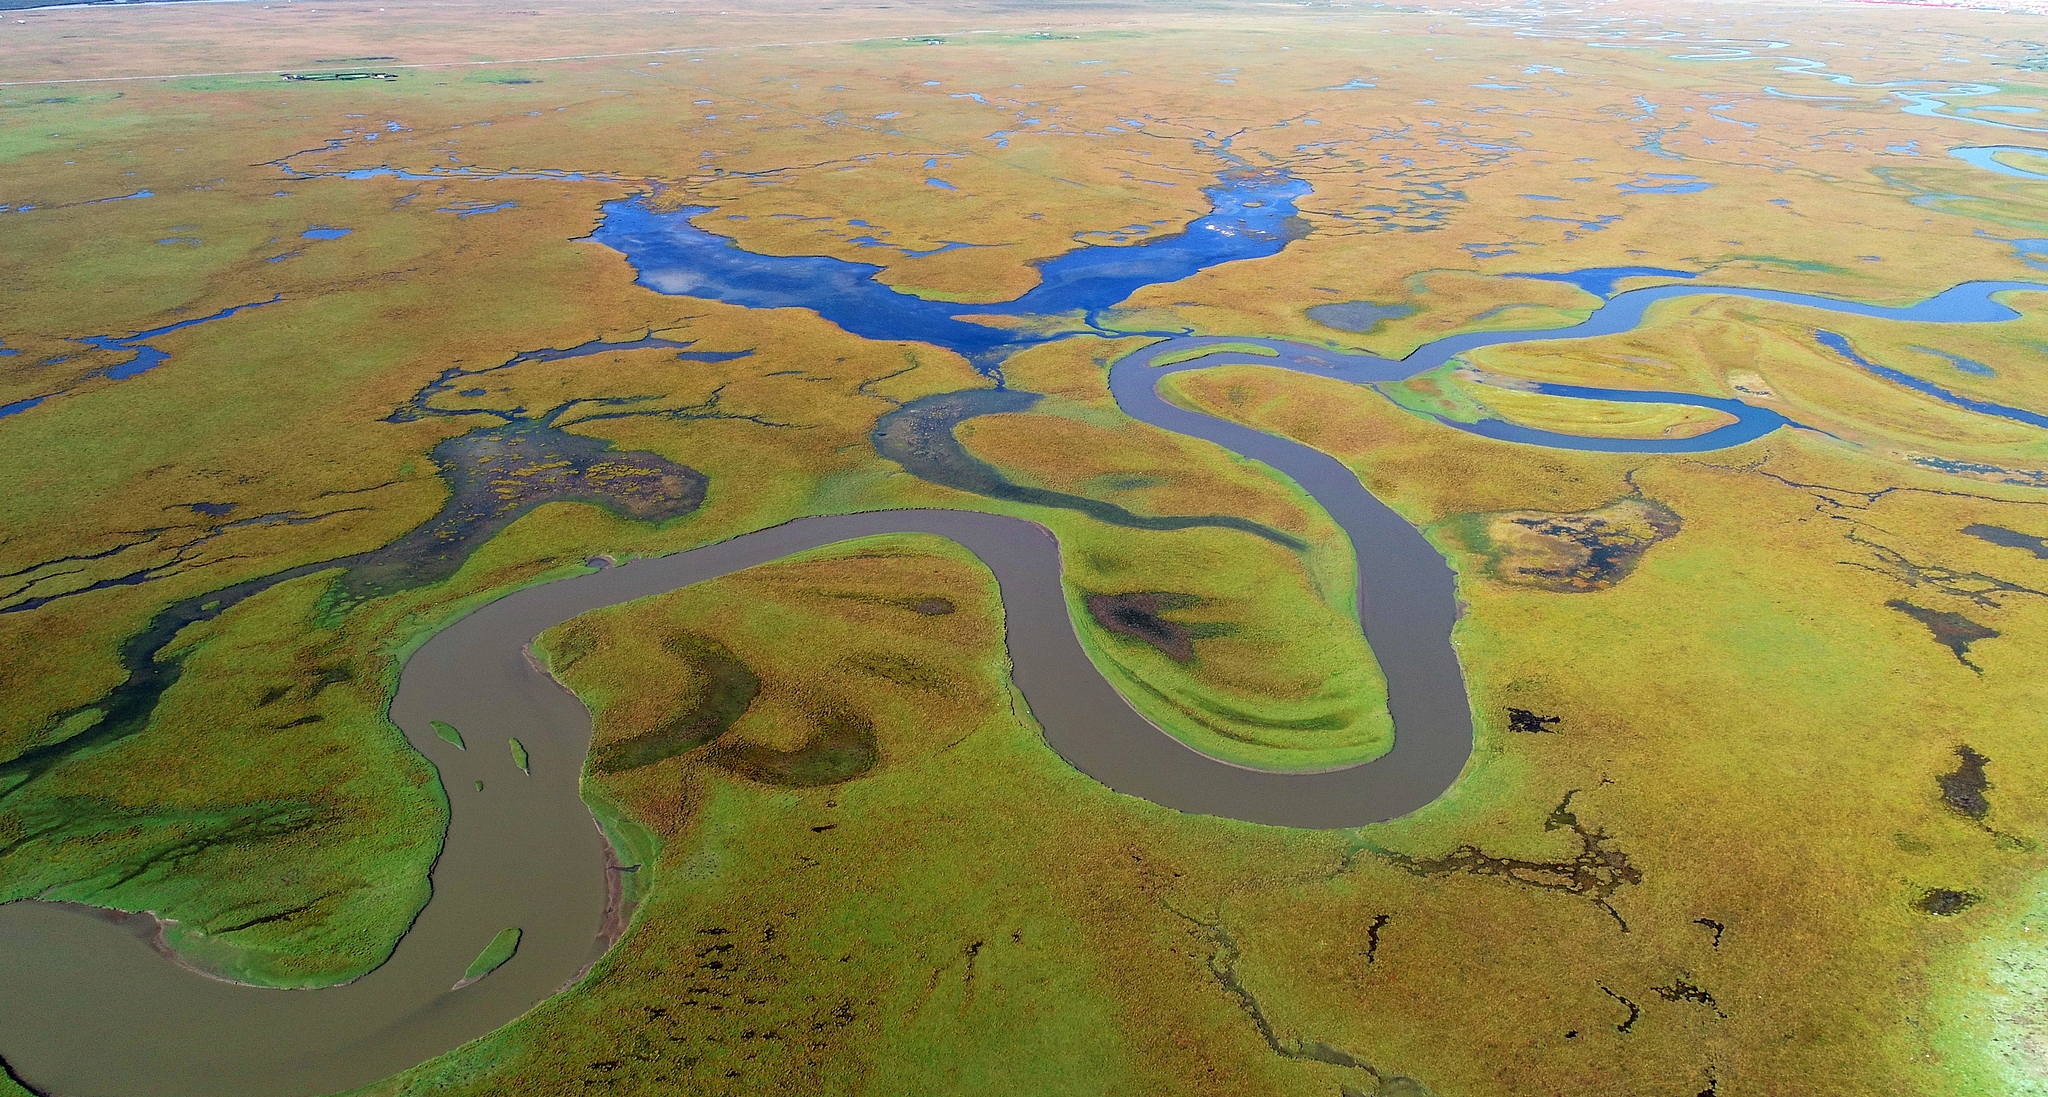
(91, 1008)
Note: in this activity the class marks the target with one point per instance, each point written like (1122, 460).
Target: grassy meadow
(1750, 810)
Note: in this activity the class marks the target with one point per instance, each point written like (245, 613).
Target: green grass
(519, 755)
(448, 734)
(493, 956)
(11, 1088)
(282, 823)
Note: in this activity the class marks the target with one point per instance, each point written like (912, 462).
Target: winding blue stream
(1986, 157)
(1841, 345)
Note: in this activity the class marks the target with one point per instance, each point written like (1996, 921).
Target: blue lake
(1252, 216)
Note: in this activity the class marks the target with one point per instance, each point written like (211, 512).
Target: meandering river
(91, 1009)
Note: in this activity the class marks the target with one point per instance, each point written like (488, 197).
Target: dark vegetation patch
(1363, 317)
(919, 437)
(1596, 872)
(1568, 553)
(1945, 901)
(840, 748)
(923, 607)
(903, 670)
(1951, 630)
(497, 475)
(1523, 720)
(1963, 790)
(729, 688)
(1141, 616)
(1717, 928)
(2009, 538)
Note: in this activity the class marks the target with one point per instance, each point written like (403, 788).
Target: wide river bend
(91, 1009)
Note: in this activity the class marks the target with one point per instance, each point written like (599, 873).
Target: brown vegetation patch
(1568, 553)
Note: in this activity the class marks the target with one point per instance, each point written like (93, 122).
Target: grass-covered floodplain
(1723, 833)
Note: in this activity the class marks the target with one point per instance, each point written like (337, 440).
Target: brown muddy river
(90, 1008)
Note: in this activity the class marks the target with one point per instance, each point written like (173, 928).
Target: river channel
(91, 1009)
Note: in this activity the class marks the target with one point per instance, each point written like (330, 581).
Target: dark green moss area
(731, 689)
(840, 748)
(1141, 616)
